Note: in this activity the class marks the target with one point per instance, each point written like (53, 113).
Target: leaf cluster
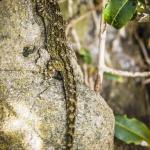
(118, 13)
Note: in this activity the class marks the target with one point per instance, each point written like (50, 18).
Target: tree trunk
(33, 114)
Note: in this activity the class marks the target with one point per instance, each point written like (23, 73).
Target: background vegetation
(115, 59)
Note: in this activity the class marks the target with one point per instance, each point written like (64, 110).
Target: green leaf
(131, 130)
(85, 55)
(119, 12)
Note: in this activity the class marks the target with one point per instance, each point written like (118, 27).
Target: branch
(101, 53)
(145, 18)
(147, 81)
(125, 73)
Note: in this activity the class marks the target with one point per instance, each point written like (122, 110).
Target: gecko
(55, 43)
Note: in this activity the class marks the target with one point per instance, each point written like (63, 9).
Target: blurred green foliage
(132, 131)
(85, 55)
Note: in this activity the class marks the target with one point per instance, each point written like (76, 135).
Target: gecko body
(55, 43)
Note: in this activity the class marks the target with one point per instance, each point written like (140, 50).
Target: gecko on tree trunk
(55, 43)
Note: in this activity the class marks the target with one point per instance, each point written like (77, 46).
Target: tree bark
(32, 108)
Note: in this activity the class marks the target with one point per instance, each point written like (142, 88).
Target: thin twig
(101, 53)
(143, 48)
(70, 10)
(125, 73)
(144, 18)
(76, 38)
(146, 81)
(73, 31)
(95, 18)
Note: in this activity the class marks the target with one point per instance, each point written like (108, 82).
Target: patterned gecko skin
(55, 43)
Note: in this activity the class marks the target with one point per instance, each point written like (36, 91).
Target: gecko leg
(51, 69)
(48, 72)
(57, 65)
